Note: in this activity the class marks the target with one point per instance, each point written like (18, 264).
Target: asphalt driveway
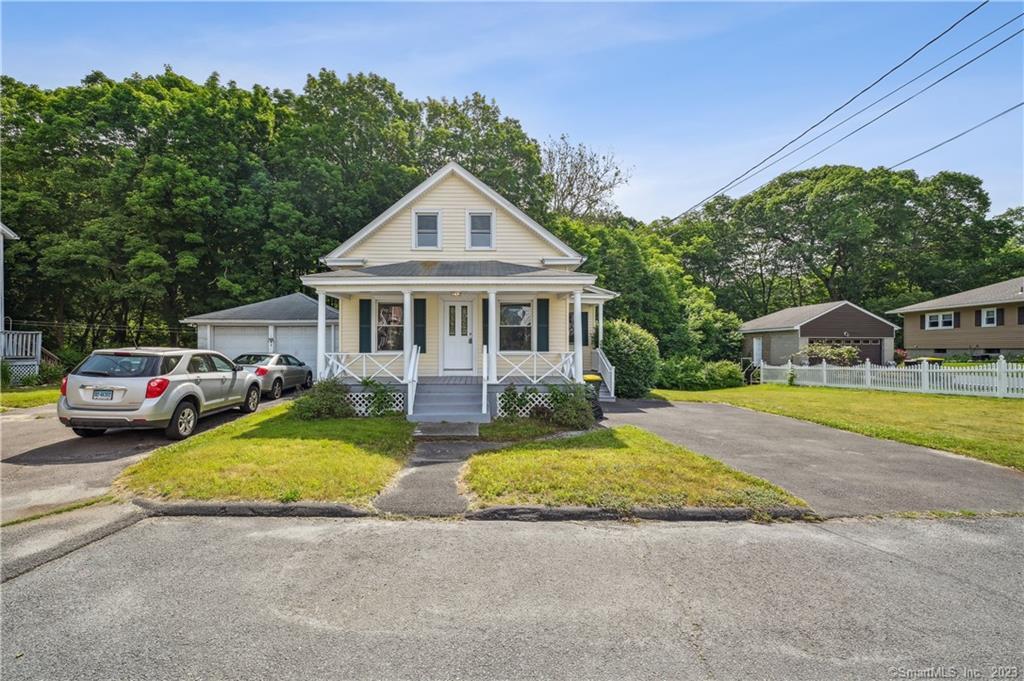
(43, 465)
(837, 472)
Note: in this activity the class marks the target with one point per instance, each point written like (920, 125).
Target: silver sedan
(277, 372)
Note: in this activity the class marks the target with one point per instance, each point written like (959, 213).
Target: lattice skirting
(532, 400)
(22, 370)
(361, 402)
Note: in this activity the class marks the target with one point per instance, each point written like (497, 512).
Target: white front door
(458, 336)
(758, 350)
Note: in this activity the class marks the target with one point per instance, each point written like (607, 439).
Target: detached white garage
(286, 325)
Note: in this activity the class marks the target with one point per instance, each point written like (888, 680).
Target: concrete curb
(249, 509)
(20, 566)
(566, 513)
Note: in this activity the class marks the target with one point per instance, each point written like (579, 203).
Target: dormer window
(426, 229)
(480, 230)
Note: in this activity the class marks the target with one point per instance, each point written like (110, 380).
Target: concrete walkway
(837, 472)
(428, 486)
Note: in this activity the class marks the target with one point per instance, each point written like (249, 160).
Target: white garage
(286, 325)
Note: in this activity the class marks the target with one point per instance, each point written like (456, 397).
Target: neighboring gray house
(286, 324)
(777, 337)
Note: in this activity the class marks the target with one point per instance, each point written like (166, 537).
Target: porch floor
(460, 380)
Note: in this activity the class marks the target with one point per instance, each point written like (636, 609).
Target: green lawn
(273, 456)
(985, 428)
(22, 398)
(613, 468)
(516, 430)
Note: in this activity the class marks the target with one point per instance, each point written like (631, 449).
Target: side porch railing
(535, 367)
(413, 374)
(360, 365)
(605, 368)
(21, 345)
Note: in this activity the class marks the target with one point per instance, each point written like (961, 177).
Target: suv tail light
(64, 386)
(156, 387)
(261, 371)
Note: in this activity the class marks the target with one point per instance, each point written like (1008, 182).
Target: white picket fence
(998, 379)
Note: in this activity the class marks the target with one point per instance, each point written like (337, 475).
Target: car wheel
(89, 432)
(309, 381)
(183, 422)
(276, 390)
(252, 399)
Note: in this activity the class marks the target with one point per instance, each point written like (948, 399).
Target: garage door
(237, 340)
(300, 341)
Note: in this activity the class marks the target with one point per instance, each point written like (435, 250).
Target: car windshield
(122, 366)
(252, 359)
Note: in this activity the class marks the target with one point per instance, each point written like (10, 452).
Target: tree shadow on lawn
(387, 435)
(601, 438)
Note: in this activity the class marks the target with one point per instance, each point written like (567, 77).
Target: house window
(390, 322)
(427, 230)
(939, 320)
(515, 327)
(989, 316)
(481, 230)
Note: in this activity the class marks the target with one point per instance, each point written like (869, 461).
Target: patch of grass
(35, 396)
(614, 468)
(273, 456)
(986, 428)
(102, 499)
(516, 430)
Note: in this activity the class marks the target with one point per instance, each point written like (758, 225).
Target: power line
(957, 136)
(830, 114)
(885, 96)
(901, 103)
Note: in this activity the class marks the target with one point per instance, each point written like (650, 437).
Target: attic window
(427, 230)
(480, 230)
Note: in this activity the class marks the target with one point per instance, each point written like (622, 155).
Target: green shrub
(633, 352)
(842, 355)
(570, 407)
(30, 380)
(5, 374)
(51, 372)
(381, 402)
(327, 399)
(689, 373)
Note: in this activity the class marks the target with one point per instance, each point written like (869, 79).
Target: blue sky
(687, 95)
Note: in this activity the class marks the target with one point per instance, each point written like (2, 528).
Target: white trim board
(449, 168)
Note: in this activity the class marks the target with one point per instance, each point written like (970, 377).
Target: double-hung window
(427, 229)
(515, 327)
(480, 230)
(390, 322)
(939, 320)
(989, 317)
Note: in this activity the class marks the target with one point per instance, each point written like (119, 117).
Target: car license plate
(102, 394)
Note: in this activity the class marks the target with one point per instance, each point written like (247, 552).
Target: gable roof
(1009, 291)
(7, 233)
(432, 181)
(792, 318)
(292, 307)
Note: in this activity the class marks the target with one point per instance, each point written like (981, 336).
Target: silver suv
(167, 388)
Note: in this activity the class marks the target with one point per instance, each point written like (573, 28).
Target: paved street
(837, 472)
(234, 598)
(43, 465)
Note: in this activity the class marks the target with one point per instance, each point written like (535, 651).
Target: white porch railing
(360, 365)
(605, 368)
(486, 373)
(998, 379)
(530, 366)
(413, 375)
(21, 345)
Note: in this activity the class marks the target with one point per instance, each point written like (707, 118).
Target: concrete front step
(450, 417)
(446, 430)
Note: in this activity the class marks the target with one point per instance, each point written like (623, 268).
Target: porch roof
(444, 272)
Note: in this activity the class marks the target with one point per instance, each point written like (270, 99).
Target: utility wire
(958, 136)
(830, 114)
(901, 103)
(883, 97)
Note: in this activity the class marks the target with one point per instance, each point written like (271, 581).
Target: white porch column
(600, 325)
(492, 336)
(406, 332)
(577, 325)
(321, 333)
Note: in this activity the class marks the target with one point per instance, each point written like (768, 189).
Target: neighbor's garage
(286, 324)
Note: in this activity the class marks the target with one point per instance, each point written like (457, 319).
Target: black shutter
(419, 323)
(485, 318)
(1020, 315)
(977, 317)
(365, 324)
(1000, 316)
(923, 315)
(586, 328)
(956, 320)
(542, 325)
